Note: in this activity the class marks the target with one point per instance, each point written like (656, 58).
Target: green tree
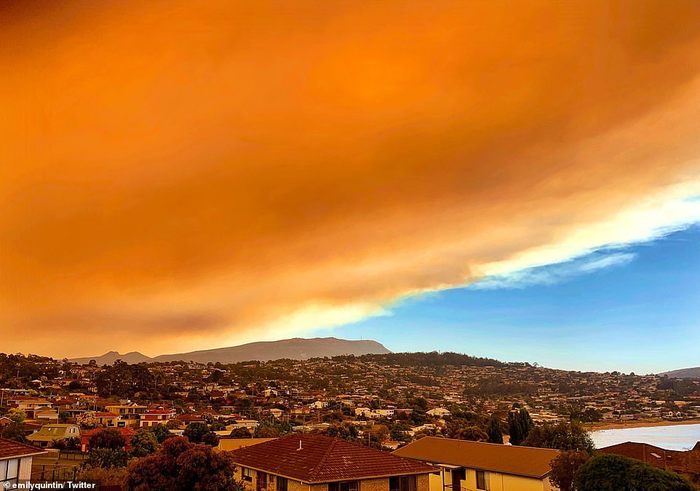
(616, 473)
(472, 433)
(183, 466)
(106, 458)
(174, 424)
(143, 443)
(124, 380)
(272, 430)
(494, 430)
(240, 433)
(109, 438)
(14, 431)
(113, 476)
(519, 425)
(17, 415)
(344, 431)
(562, 436)
(161, 432)
(74, 385)
(200, 433)
(564, 468)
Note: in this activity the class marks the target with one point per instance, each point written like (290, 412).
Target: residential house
(16, 462)
(312, 462)
(158, 416)
(30, 405)
(681, 461)
(131, 413)
(46, 414)
(189, 418)
(438, 412)
(51, 433)
(248, 424)
(478, 466)
(109, 420)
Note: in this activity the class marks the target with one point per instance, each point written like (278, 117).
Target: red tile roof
(160, 411)
(11, 448)
(316, 459)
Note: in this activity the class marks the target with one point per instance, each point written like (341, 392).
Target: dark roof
(11, 448)
(506, 459)
(679, 460)
(317, 458)
(636, 450)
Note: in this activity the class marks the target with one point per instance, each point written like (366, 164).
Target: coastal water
(676, 437)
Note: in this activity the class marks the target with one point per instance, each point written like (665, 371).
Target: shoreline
(640, 423)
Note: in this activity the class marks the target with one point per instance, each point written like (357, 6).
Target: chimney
(299, 446)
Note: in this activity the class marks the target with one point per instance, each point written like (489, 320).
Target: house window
(281, 484)
(247, 474)
(344, 486)
(481, 480)
(9, 471)
(402, 483)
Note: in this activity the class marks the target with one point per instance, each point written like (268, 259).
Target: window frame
(485, 483)
(353, 485)
(5, 475)
(403, 483)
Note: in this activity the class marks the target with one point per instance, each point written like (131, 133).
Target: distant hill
(684, 373)
(112, 356)
(296, 349)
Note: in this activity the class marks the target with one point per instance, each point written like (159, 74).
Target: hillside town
(411, 404)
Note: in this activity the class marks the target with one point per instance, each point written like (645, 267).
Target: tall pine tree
(519, 425)
(494, 430)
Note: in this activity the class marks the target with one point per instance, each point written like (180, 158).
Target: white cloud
(557, 273)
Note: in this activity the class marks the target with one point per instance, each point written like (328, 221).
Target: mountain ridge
(294, 348)
(691, 372)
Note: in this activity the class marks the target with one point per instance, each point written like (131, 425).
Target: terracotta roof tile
(11, 448)
(318, 458)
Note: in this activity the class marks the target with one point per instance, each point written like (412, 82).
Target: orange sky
(178, 175)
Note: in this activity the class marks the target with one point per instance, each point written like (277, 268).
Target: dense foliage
(180, 465)
(562, 436)
(565, 467)
(495, 430)
(124, 380)
(616, 473)
(519, 425)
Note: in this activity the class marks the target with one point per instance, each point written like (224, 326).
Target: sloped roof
(506, 459)
(159, 411)
(11, 448)
(316, 458)
(52, 432)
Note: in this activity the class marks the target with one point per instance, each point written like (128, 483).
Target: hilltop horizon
(136, 356)
(478, 177)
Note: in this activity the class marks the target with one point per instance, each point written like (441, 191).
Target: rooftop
(506, 459)
(317, 459)
(11, 448)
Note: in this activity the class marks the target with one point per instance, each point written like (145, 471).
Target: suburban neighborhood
(394, 422)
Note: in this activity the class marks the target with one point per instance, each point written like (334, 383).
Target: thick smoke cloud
(177, 176)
